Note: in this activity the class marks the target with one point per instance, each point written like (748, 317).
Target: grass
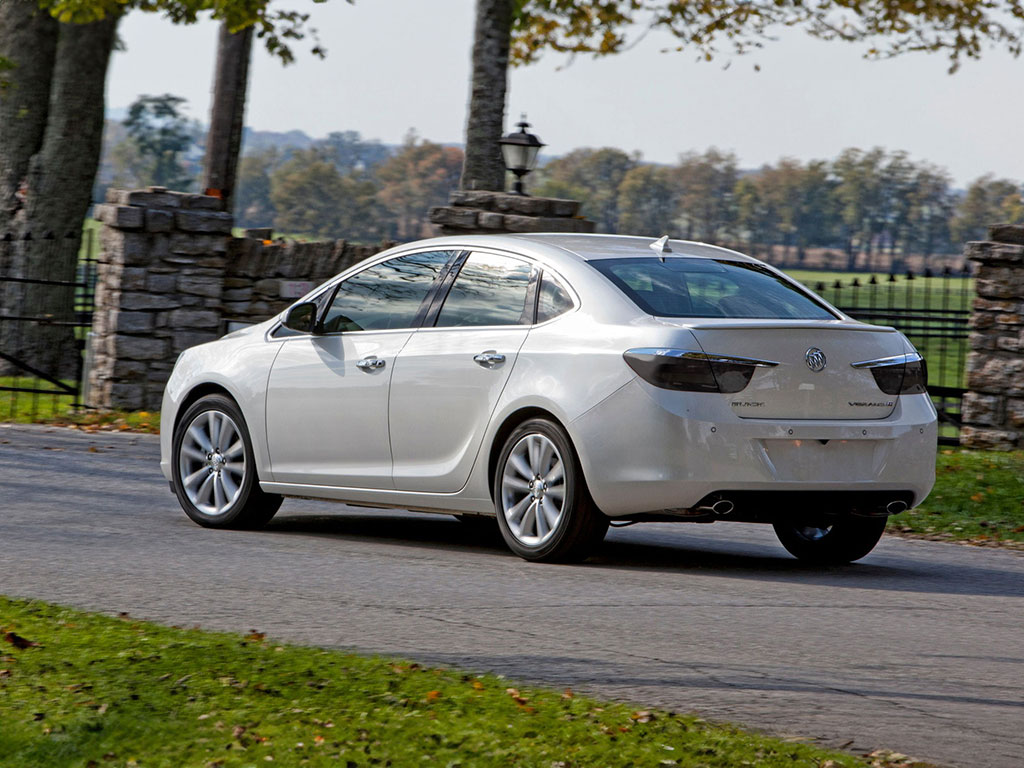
(59, 410)
(978, 498)
(99, 691)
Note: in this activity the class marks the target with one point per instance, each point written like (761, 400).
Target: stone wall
(171, 276)
(993, 409)
(478, 212)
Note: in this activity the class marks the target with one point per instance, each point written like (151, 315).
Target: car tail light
(689, 371)
(898, 375)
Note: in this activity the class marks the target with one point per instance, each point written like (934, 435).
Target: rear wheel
(214, 469)
(831, 542)
(544, 510)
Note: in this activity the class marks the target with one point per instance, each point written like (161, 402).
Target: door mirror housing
(302, 318)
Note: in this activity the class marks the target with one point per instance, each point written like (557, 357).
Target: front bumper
(646, 450)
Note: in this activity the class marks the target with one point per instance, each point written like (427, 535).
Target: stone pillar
(483, 213)
(993, 407)
(160, 280)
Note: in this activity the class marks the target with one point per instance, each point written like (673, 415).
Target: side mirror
(302, 318)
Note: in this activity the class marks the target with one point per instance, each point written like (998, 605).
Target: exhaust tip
(895, 507)
(723, 507)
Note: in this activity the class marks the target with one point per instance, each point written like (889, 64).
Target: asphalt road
(919, 648)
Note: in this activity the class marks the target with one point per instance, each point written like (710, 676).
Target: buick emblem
(815, 359)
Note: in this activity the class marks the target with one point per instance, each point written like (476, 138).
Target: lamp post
(519, 150)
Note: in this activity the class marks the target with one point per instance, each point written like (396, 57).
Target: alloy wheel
(211, 462)
(533, 490)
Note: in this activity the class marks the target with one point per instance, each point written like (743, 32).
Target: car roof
(595, 247)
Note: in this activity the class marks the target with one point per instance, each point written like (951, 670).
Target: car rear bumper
(645, 450)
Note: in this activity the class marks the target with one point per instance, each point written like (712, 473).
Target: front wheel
(214, 469)
(833, 542)
(544, 510)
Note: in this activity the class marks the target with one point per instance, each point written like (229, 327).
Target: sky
(396, 65)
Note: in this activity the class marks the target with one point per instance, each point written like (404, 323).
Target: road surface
(919, 648)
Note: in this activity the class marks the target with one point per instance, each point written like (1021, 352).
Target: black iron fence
(933, 309)
(44, 323)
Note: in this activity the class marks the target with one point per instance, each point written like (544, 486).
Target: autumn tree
(649, 201)
(592, 176)
(420, 175)
(988, 201)
(707, 182)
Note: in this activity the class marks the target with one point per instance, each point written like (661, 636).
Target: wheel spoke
(235, 450)
(544, 455)
(515, 514)
(511, 482)
(227, 434)
(213, 427)
(230, 488)
(203, 494)
(557, 491)
(529, 524)
(555, 473)
(199, 438)
(192, 453)
(551, 513)
(235, 469)
(540, 515)
(195, 476)
(520, 465)
(218, 492)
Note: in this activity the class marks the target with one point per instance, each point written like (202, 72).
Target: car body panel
(327, 419)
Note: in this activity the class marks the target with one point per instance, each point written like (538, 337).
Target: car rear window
(680, 286)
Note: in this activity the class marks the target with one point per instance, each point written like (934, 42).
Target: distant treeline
(862, 202)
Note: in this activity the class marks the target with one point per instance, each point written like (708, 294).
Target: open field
(86, 690)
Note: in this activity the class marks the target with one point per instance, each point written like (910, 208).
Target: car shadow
(668, 551)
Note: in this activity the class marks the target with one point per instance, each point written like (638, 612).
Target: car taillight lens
(690, 371)
(899, 375)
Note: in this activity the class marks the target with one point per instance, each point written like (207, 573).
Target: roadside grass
(978, 498)
(59, 410)
(98, 691)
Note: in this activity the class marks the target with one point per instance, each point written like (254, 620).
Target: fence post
(993, 409)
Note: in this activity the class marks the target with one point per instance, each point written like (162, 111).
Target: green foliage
(988, 201)
(649, 201)
(311, 196)
(159, 134)
(886, 27)
(592, 176)
(278, 28)
(253, 205)
(89, 689)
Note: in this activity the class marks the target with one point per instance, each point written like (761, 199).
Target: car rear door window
(552, 299)
(386, 296)
(490, 290)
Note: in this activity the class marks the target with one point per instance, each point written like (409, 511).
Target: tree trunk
(28, 38)
(484, 167)
(60, 184)
(227, 114)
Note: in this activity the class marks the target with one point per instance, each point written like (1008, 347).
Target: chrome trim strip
(884, 362)
(692, 355)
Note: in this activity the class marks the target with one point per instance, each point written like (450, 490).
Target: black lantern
(520, 152)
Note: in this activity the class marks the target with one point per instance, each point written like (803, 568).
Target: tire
(841, 541)
(532, 521)
(216, 484)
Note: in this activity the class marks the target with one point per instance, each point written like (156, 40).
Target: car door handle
(370, 364)
(489, 359)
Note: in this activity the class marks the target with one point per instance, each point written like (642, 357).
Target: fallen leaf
(433, 695)
(567, 694)
(478, 685)
(643, 716)
(19, 642)
(255, 636)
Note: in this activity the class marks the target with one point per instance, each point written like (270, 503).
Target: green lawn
(99, 691)
(978, 497)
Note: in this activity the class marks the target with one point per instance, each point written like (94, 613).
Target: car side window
(386, 296)
(490, 290)
(552, 299)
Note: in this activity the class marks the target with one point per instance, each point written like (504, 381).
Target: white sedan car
(560, 383)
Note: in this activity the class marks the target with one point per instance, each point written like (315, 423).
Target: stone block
(204, 221)
(491, 220)
(160, 283)
(184, 244)
(202, 203)
(988, 252)
(128, 395)
(158, 220)
(119, 216)
(199, 285)
(267, 286)
(185, 339)
(128, 370)
(193, 319)
(237, 282)
(1007, 233)
(1015, 412)
(139, 347)
(237, 294)
(986, 410)
(153, 197)
(459, 218)
(521, 204)
(567, 208)
(1009, 344)
(546, 224)
(133, 300)
(473, 198)
(133, 278)
(261, 309)
(132, 322)
(988, 439)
